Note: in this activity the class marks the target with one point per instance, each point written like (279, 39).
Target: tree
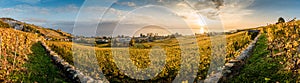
(141, 35)
(281, 20)
(132, 42)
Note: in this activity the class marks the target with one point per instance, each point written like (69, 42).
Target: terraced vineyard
(284, 39)
(14, 47)
(276, 58)
(23, 59)
(277, 50)
(109, 58)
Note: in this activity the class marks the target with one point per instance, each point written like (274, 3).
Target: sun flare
(201, 25)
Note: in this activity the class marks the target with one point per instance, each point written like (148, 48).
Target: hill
(276, 56)
(49, 34)
(22, 58)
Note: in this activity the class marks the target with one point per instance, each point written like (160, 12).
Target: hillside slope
(13, 51)
(48, 33)
(23, 59)
(276, 56)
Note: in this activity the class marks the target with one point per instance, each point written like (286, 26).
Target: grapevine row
(283, 40)
(235, 44)
(14, 47)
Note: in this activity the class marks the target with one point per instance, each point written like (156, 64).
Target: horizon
(143, 32)
(185, 17)
(137, 34)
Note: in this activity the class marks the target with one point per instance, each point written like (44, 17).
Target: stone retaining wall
(233, 66)
(69, 70)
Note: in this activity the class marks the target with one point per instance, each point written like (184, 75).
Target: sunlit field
(140, 57)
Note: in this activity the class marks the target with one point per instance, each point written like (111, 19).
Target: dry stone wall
(233, 66)
(69, 70)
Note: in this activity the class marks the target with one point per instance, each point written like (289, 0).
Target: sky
(129, 17)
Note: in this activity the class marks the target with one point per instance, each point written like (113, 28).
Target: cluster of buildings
(124, 41)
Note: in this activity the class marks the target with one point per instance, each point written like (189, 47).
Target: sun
(201, 30)
(201, 25)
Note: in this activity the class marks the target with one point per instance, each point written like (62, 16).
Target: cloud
(10, 12)
(218, 3)
(230, 11)
(212, 8)
(35, 20)
(86, 28)
(93, 13)
(29, 1)
(130, 4)
(159, 0)
(32, 9)
(208, 8)
(67, 8)
(37, 10)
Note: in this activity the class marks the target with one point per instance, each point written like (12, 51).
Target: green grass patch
(40, 68)
(263, 69)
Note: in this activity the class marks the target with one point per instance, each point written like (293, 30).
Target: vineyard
(140, 58)
(284, 40)
(23, 59)
(14, 47)
(149, 41)
(276, 57)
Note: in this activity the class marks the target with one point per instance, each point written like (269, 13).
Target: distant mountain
(46, 32)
